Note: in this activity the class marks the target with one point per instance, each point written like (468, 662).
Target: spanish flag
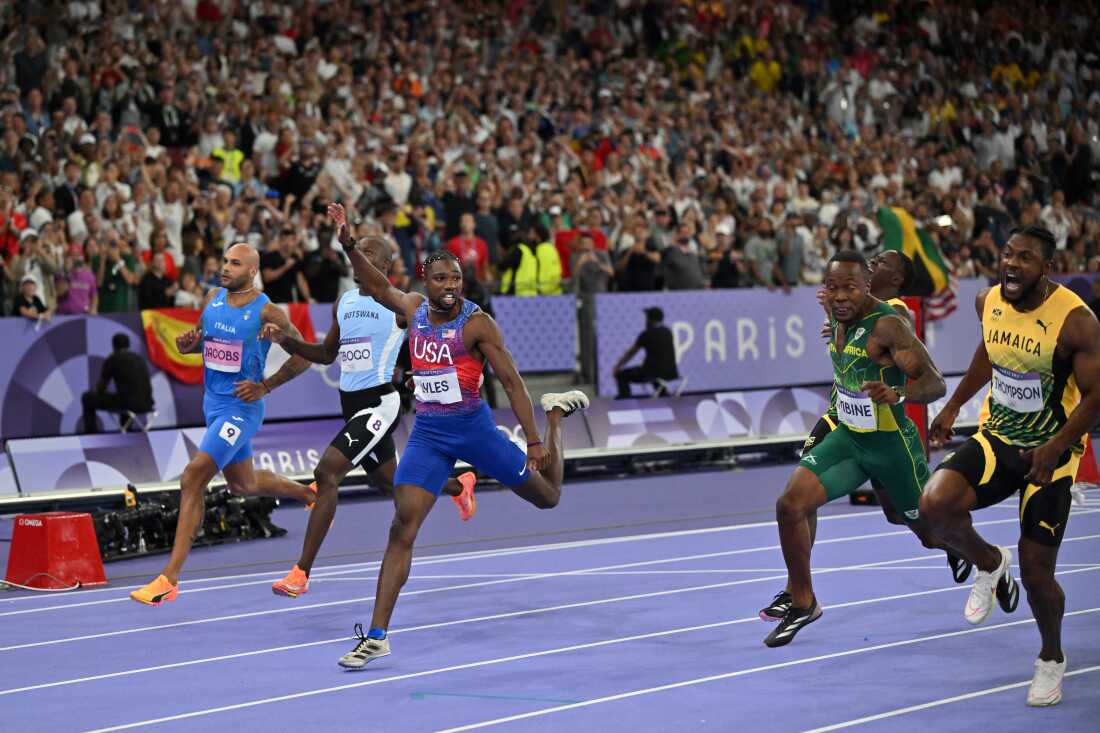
(933, 277)
(163, 325)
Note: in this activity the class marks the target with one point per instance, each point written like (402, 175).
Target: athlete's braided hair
(440, 256)
(1040, 234)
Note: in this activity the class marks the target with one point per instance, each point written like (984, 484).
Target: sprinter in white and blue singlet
(234, 387)
(450, 340)
(365, 338)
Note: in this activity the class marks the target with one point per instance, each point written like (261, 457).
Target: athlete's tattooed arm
(897, 340)
(483, 334)
(1079, 341)
(322, 353)
(977, 376)
(251, 391)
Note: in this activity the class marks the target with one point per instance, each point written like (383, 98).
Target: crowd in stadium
(551, 145)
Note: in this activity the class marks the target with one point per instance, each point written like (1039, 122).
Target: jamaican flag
(932, 276)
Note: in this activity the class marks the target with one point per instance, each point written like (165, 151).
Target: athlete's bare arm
(251, 391)
(1078, 341)
(895, 340)
(483, 334)
(190, 342)
(977, 376)
(322, 353)
(373, 280)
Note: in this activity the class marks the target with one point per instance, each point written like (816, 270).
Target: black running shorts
(372, 415)
(996, 471)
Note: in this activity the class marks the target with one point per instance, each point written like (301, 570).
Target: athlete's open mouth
(448, 299)
(1011, 282)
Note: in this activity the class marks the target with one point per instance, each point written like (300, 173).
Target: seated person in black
(660, 355)
(134, 390)
(27, 303)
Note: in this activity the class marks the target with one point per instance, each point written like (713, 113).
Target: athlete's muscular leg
(412, 505)
(330, 471)
(543, 488)
(803, 495)
(946, 504)
(242, 480)
(193, 484)
(811, 526)
(1044, 594)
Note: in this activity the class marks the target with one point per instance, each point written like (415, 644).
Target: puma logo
(1044, 525)
(351, 441)
(1042, 325)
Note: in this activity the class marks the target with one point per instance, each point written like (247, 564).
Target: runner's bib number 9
(1018, 391)
(222, 355)
(438, 385)
(356, 354)
(855, 409)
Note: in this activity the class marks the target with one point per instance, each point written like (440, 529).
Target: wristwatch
(900, 393)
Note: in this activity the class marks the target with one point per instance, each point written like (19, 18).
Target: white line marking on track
(590, 645)
(477, 556)
(739, 673)
(437, 625)
(941, 701)
(463, 556)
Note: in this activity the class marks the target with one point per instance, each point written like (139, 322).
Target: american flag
(449, 333)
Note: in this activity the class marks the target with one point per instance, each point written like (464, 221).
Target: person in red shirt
(470, 249)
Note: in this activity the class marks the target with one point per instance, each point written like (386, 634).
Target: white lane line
(738, 673)
(473, 555)
(429, 560)
(591, 645)
(437, 625)
(494, 553)
(941, 701)
(476, 554)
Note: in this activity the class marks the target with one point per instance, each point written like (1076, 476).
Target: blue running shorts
(230, 428)
(437, 441)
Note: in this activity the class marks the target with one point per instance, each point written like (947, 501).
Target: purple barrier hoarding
(697, 418)
(48, 366)
(540, 332)
(8, 486)
(725, 339)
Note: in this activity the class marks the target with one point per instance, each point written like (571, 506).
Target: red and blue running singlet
(447, 379)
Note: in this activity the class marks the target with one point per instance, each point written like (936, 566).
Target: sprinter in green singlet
(873, 353)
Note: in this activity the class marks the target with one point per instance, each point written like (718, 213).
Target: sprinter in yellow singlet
(1040, 353)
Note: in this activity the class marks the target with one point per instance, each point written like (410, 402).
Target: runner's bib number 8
(438, 385)
(1018, 391)
(222, 355)
(356, 354)
(855, 409)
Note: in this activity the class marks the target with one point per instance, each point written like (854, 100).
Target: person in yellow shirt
(230, 156)
(765, 72)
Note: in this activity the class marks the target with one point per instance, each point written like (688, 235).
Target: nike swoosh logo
(161, 596)
(215, 305)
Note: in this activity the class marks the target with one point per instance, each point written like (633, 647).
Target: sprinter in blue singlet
(365, 338)
(233, 360)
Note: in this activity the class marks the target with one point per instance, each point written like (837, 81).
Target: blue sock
(376, 633)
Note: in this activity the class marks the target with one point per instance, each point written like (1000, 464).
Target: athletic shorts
(437, 441)
(230, 428)
(366, 439)
(845, 460)
(994, 468)
(823, 427)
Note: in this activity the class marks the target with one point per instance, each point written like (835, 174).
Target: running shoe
(296, 583)
(364, 651)
(960, 567)
(1008, 592)
(793, 622)
(466, 501)
(980, 603)
(569, 402)
(312, 502)
(156, 593)
(777, 609)
(1046, 685)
